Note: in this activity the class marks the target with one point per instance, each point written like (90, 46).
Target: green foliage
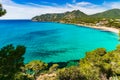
(99, 64)
(72, 73)
(11, 60)
(89, 70)
(118, 47)
(2, 11)
(113, 13)
(89, 65)
(115, 78)
(23, 76)
(53, 68)
(35, 67)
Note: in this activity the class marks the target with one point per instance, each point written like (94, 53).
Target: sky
(26, 9)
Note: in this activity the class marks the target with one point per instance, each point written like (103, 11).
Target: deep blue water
(54, 42)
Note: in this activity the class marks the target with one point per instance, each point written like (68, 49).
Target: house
(102, 22)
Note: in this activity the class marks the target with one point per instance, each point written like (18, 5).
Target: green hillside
(76, 14)
(109, 18)
(113, 13)
(60, 16)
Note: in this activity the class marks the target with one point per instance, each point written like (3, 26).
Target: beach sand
(111, 29)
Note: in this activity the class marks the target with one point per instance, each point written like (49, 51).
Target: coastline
(104, 28)
(111, 29)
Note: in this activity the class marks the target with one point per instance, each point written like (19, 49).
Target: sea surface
(54, 42)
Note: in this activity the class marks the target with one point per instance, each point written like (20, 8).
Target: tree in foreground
(11, 61)
(101, 65)
(2, 11)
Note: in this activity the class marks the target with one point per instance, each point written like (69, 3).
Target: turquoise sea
(54, 42)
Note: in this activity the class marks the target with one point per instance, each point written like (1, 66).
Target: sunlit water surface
(54, 42)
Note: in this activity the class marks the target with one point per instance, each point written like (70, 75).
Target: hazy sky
(26, 9)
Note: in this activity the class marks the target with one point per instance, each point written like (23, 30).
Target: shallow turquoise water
(54, 42)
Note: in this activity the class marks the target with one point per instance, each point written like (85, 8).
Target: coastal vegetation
(11, 61)
(110, 18)
(2, 11)
(96, 65)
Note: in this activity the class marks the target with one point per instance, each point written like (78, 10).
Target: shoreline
(104, 28)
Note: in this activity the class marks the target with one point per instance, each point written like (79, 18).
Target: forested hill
(113, 13)
(110, 18)
(76, 14)
(60, 16)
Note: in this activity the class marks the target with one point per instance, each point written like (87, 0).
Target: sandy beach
(115, 30)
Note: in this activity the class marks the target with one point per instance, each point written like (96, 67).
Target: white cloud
(20, 11)
(87, 7)
(112, 4)
(83, 3)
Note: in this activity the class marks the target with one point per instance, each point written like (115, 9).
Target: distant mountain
(77, 16)
(113, 13)
(74, 14)
(60, 16)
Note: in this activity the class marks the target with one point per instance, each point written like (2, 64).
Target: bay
(54, 42)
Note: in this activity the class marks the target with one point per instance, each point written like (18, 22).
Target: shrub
(72, 73)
